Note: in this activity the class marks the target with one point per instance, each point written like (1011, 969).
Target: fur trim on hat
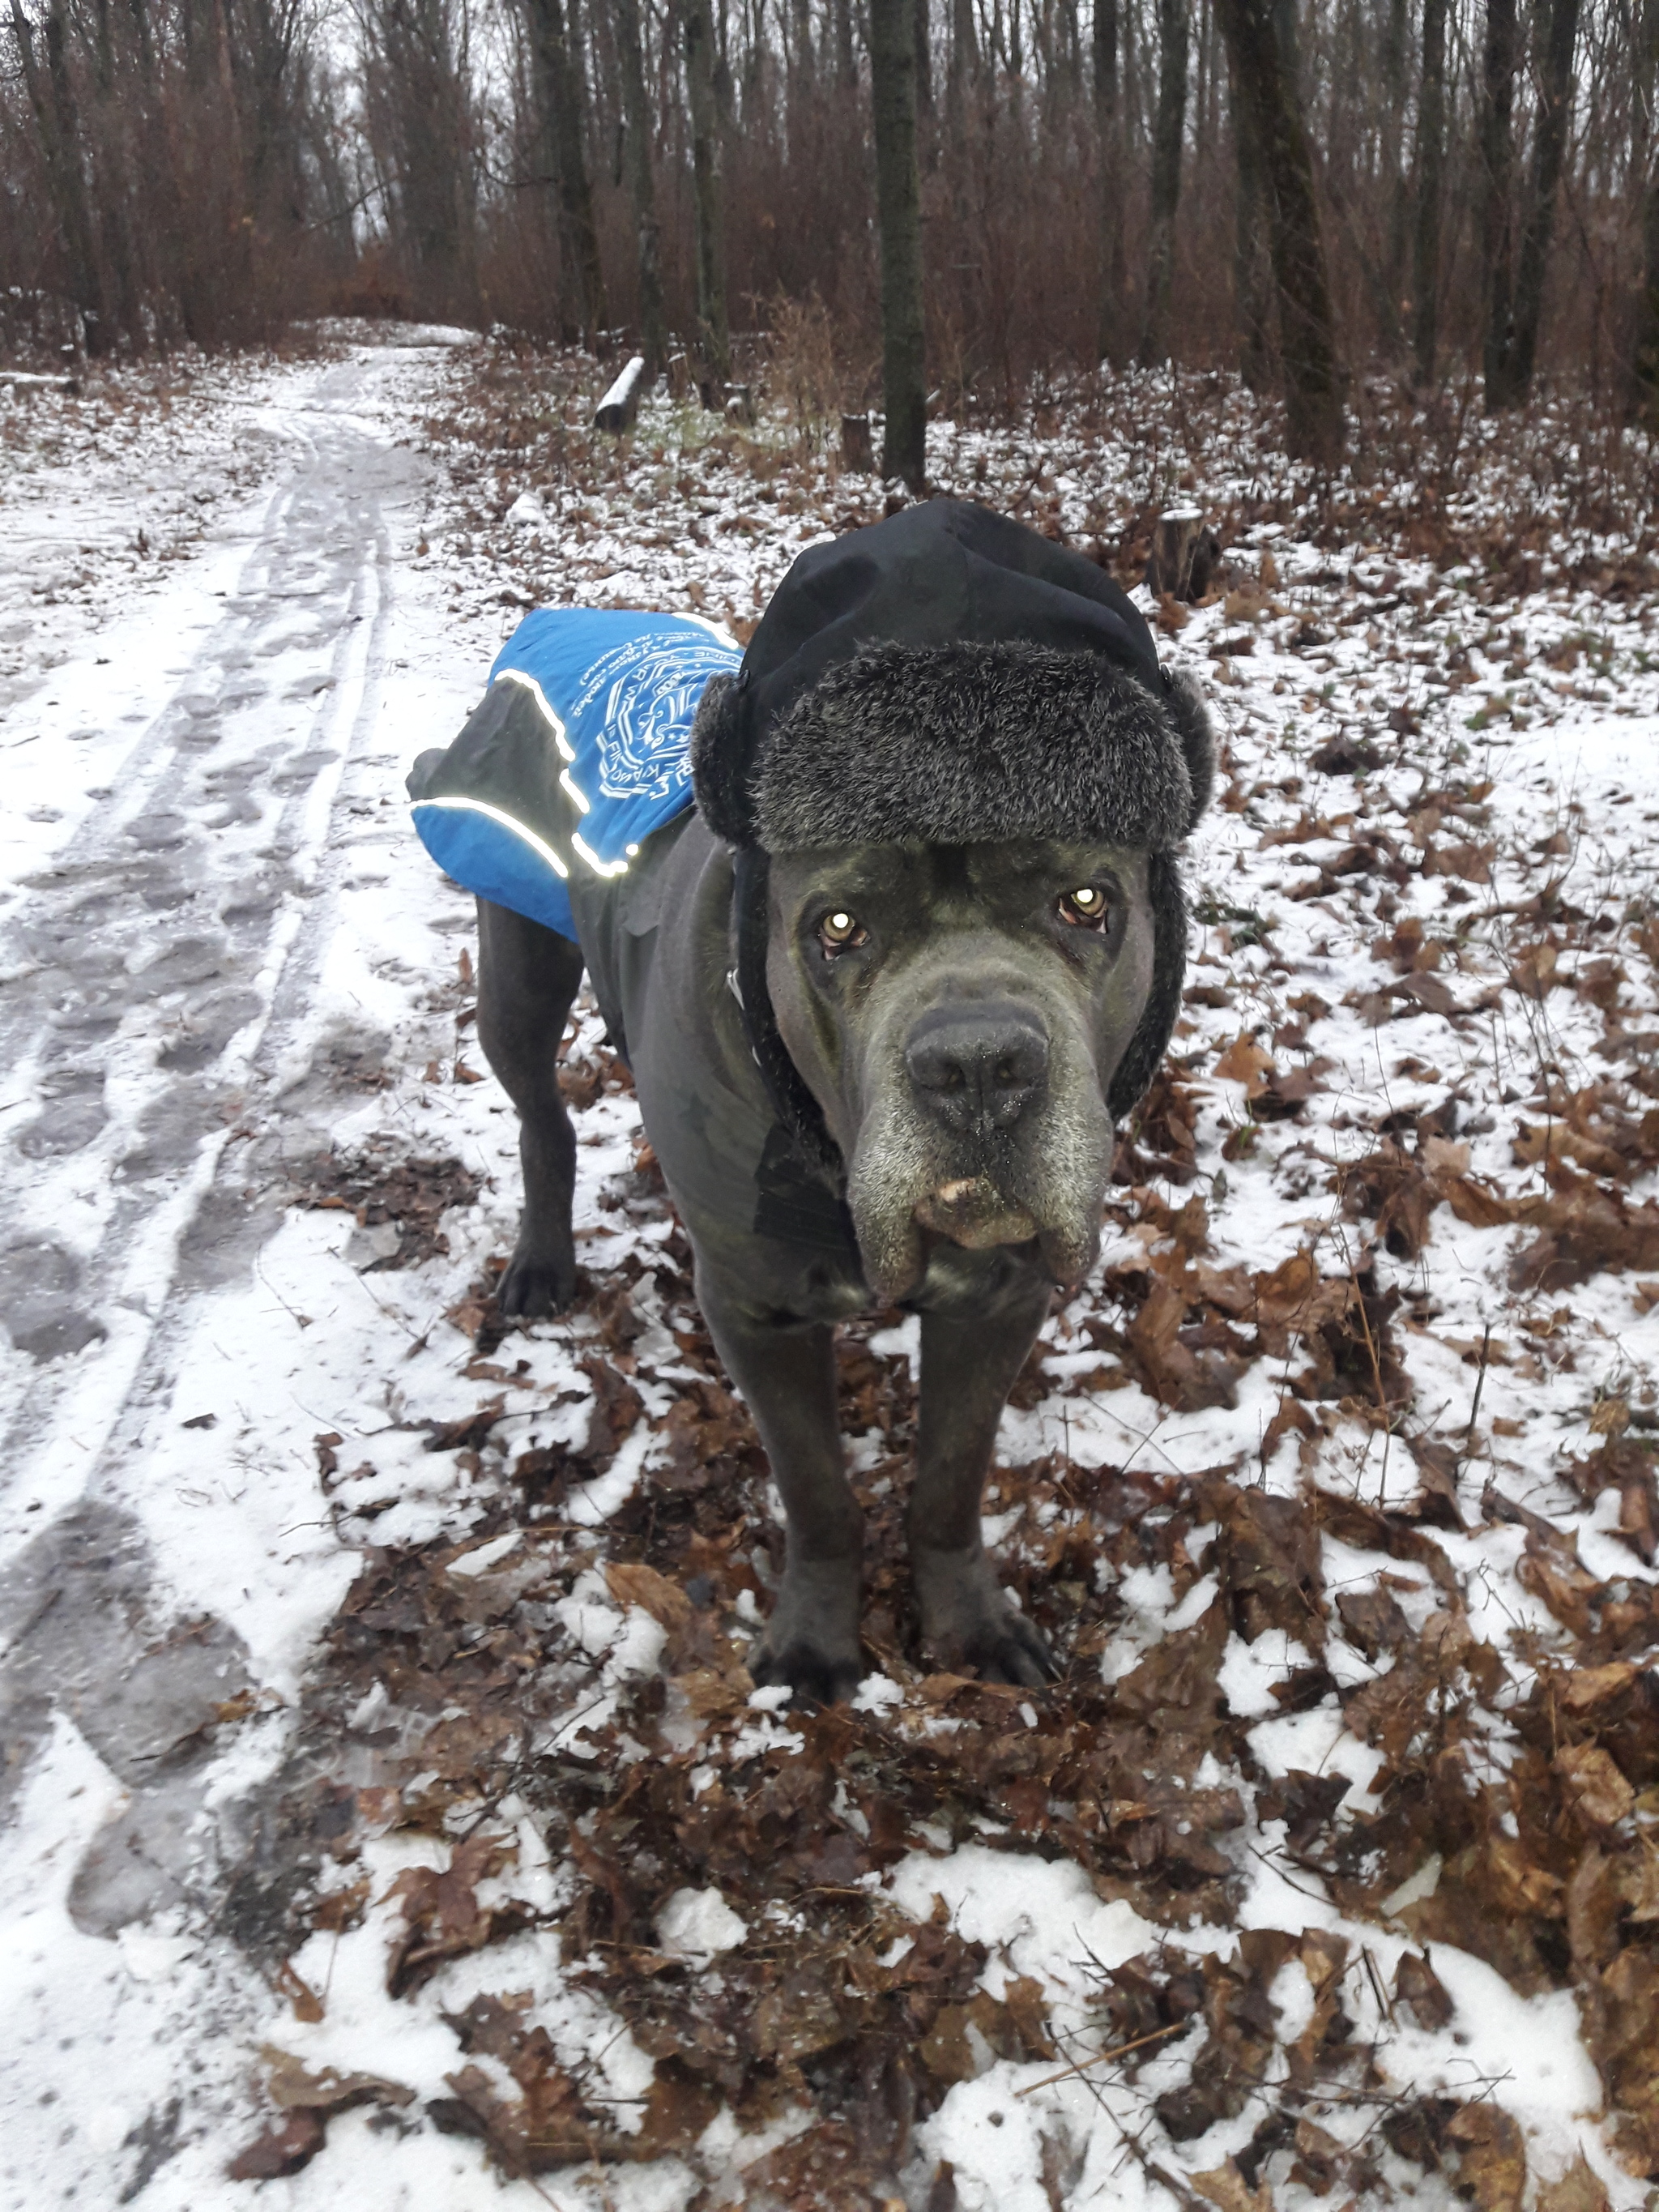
(960, 744)
(717, 762)
(1185, 697)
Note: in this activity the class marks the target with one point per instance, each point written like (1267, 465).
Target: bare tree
(1252, 251)
(898, 201)
(1499, 60)
(1644, 168)
(52, 97)
(1173, 27)
(1431, 151)
(637, 112)
(714, 345)
(1270, 107)
(1509, 377)
(1109, 129)
(562, 105)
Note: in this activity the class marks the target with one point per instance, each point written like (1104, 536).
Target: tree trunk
(560, 94)
(920, 11)
(846, 61)
(1252, 250)
(714, 345)
(1497, 159)
(1516, 364)
(636, 115)
(1395, 36)
(1431, 148)
(1108, 129)
(1173, 24)
(898, 205)
(1270, 108)
(1645, 350)
(52, 97)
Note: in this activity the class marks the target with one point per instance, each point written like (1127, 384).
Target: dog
(885, 988)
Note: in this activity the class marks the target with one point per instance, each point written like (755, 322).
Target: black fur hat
(950, 676)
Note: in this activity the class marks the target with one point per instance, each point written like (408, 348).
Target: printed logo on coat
(648, 692)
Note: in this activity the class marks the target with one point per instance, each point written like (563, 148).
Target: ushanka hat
(950, 676)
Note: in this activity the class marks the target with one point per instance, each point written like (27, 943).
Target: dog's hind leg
(968, 1368)
(527, 977)
(786, 1374)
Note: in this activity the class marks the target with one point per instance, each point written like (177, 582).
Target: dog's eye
(841, 932)
(1087, 907)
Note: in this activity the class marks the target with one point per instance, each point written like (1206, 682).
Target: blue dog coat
(578, 749)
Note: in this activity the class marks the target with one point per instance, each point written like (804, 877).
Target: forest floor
(391, 1816)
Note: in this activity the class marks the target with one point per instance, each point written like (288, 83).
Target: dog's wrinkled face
(958, 1011)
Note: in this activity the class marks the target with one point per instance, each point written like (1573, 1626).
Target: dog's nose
(978, 1066)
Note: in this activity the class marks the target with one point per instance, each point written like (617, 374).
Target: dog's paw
(535, 1285)
(967, 1619)
(815, 1676)
(811, 1641)
(1009, 1650)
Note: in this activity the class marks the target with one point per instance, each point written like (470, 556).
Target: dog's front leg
(968, 1368)
(786, 1374)
(528, 978)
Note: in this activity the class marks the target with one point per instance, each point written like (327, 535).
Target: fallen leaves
(407, 1197)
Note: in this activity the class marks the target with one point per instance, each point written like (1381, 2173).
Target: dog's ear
(1197, 734)
(718, 762)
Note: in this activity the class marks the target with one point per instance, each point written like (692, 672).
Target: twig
(1101, 2057)
(1475, 1408)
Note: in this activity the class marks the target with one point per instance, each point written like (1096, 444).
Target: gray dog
(885, 991)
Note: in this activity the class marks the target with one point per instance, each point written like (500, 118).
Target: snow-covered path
(194, 793)
(164, 960)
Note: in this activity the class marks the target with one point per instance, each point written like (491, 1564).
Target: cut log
(19, 379)
(858, 451)
(616, 410)
(1184, 555)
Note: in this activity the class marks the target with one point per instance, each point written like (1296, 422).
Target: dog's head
(976, 932)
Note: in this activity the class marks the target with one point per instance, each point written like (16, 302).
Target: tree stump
(616, 410)
(679, 376)
(1174, 543)
(741, 405)
(858, 450)
(1184, 555)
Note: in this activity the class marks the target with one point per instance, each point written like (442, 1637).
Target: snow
(695, 1924)
(250, 600)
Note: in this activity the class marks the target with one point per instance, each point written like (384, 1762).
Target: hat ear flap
(719, 759)
(1146, 1047)
(1197, 734)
